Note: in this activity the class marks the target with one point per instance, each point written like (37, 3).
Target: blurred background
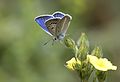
(23, 58)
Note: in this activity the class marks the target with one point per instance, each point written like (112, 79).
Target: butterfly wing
(63, 25)
(58, 14)
(51, 25)
(41, 21)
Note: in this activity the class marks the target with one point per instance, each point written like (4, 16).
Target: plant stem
(76, 51)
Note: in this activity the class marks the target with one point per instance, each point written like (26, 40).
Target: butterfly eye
(55, 38)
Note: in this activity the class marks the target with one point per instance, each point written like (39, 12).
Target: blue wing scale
(58, 14)
(41, 21)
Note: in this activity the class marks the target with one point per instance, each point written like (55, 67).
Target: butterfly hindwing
(41, 21)
(63, 25)
(52, 25)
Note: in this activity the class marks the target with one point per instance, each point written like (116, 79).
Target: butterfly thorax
(59, 37)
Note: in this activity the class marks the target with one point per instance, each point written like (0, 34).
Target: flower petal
(102, 64)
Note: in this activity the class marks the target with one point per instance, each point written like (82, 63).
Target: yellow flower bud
(69, 43)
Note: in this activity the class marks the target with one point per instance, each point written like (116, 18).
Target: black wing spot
(52, 27)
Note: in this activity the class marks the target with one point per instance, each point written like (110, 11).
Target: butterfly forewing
(51, 25)
(41, 21)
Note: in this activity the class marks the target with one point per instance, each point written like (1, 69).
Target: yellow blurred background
(23, 58)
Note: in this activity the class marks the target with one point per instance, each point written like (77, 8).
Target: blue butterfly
(55, 25)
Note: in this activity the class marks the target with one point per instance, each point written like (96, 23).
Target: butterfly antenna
(62, 42)
(53, 42)
(46, 43)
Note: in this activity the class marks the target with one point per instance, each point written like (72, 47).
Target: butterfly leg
(54, 39)
(53, 42)
(46, 43)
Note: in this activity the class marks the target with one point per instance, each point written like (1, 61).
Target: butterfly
(55, 25)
